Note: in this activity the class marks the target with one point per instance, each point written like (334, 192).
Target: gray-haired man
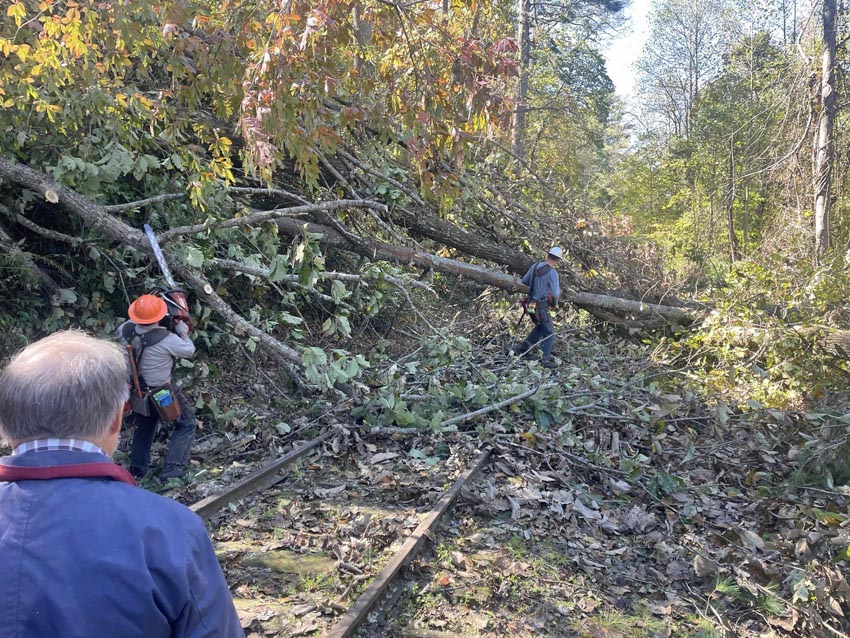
(84, 551)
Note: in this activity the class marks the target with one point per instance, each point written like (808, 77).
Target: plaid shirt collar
(51, 445)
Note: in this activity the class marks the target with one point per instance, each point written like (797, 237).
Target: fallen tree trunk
(403, 255)
(426, 225)
(468, 243)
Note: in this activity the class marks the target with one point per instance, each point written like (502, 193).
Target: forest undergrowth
(632, 494)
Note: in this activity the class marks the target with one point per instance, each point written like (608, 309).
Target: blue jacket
(96, 558)
(543, 284)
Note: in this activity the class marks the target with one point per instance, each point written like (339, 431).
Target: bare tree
(524, 42)
(684, 51)
(823, 149)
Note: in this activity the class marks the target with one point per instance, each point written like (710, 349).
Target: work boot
(170, 472)
(137, 472)
(549, 363)
(523, 349)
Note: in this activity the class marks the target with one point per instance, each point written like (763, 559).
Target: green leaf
(194, 257)
(64, 296)
(314, 356)
(352, 369)
(287, 318)
(343, 326)
(278, 268)
(338, 291)
(109, 282)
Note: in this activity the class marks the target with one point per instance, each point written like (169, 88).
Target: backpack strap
(153, 337)
(540, 269)
(145, 340)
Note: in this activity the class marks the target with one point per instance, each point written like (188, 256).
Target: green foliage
(762, 345)
(665, 484)
(692, 189)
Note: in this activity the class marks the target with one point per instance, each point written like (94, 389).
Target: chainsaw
(174, 297)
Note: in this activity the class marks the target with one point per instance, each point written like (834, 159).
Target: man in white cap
(543, 294)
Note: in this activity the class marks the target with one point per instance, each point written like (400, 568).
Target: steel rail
(259, 480)
(357, 613)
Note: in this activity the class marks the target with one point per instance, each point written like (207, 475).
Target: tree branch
(274, 192)
(389, 180)
(289, 280)
(85, 209)
(268, 215)
(121, 208)
(46, 232)
(286, 355)
(496, 406)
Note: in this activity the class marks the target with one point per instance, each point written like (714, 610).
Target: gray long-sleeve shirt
(543, 284)
(158, 360)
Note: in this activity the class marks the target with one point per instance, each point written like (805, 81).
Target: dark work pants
(544, 331)
(179, 445)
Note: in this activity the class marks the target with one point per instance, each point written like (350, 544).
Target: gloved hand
(181, 329)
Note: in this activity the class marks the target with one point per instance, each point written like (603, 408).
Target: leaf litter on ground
(625, 502)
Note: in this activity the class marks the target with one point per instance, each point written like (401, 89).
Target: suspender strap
(80, 470)
(145, 339)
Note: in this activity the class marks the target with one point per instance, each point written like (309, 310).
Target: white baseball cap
(556, 251)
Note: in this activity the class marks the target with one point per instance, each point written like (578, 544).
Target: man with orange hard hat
(153, 348)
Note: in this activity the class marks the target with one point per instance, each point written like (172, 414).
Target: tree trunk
(824, 144)
(402, 255)
(476, 246)
(363, 36)
(730, 204)
(524, 43)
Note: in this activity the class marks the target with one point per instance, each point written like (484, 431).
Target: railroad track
(313, 547)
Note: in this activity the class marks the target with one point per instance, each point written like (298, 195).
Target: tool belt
(529, 307)
(163, 398)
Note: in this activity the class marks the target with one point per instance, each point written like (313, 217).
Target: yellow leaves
(44, 5)
(49, 109)
(199, 21)
(18, 11)
(23, 51)
(144, 101)
(6, 47)
(75, 45)
(7, 104)
(73, 14)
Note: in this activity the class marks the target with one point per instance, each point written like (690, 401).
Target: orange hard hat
(147, 309)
